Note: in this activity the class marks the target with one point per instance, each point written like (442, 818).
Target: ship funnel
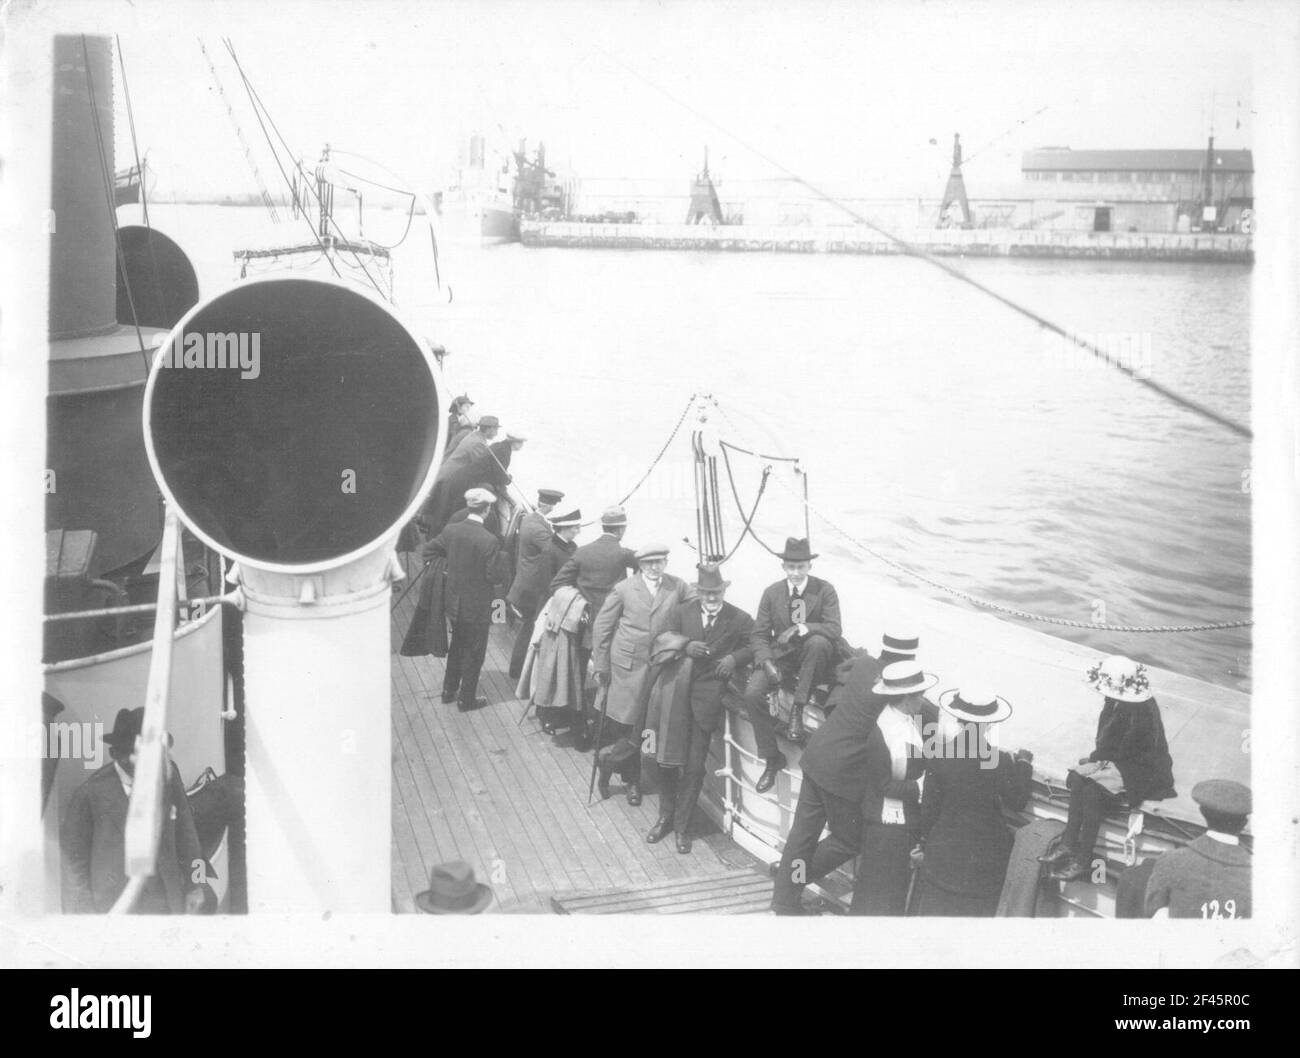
(295, 425)
(159, 285)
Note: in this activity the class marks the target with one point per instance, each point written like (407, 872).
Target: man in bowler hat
(794, 638)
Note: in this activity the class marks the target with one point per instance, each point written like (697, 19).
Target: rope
(748, 529)
(914, 251)
(130, 117)
(975, 600)
(726, 459)
(756, 455)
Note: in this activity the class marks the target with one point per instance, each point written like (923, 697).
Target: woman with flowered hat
(1130, 763)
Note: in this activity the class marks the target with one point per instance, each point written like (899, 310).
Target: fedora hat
(613, 517)
(1120, 678)
(453, 891)
(486, 421)
(903, 677)
(975, 704)
(796, 550)
(709, 578)
(126, 725)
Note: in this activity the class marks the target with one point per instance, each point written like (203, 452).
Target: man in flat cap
(594, 569)
(635, 611)
(465, 468)
(474, 580)
(795, 635)
(1208, 877)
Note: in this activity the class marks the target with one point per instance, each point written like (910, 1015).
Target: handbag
(1104, 774)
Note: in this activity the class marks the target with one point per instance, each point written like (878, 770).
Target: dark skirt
(930, 899)
(883, 871)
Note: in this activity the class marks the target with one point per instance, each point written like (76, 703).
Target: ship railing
(144, 814)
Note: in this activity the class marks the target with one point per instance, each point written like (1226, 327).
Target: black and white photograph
(505, 462)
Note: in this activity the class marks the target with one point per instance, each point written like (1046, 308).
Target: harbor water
(937, 427)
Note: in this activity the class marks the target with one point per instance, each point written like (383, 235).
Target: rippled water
(937, 426)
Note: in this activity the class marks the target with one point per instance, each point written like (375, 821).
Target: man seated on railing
(795, 636)
(93, 835)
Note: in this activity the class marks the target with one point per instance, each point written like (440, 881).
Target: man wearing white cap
(636, 610)
(474, 579)
(834, 777)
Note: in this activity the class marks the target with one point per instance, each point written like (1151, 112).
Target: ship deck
(512, 802)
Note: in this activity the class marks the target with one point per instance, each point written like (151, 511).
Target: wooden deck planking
(480, 787)
(731, 892)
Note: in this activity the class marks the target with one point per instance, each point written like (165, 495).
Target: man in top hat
(594, 569)
(474, 580)
(1208, 877)
(635, 611)
(718, 644)
(532, 543)
(795, 636)
(93, 843)
(834, 777)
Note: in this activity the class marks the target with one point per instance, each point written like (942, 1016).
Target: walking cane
(600, 729)
(911, 885)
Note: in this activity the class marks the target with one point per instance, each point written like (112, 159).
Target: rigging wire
(163, 303)
(107, 178)
(957, 592)
(912, 250)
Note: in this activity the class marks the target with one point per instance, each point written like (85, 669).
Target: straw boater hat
(566, 521)
(476, 499)
(453, 891)
(900, 641)
(710, 578)
(796, 550)
(975, 704)
(903, 677)
(1120, 678)
(652, 551)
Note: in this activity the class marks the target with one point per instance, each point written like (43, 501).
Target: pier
(859, 239)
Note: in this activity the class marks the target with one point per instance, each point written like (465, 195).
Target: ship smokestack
(296, 425)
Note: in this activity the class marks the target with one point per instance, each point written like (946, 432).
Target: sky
(843, 94)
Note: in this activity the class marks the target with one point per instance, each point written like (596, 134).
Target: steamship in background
(203, 560)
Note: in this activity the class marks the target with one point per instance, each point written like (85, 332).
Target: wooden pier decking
(512, 802)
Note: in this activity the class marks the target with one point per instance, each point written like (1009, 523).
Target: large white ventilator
(295, 425)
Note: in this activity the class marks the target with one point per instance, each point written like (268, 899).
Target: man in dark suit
(719, 647)
(92, 836)
(795, 636)
(474, 577)
(1208, 877)
(834, 778)
(594, 569)
(533, 572)
(471, 463)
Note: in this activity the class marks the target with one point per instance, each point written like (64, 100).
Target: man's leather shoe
(449, 696)
(1060, 854)
(683, 842)
(795, 731)
(478, 703)
(768, 779)
(662, 828)
(581, 740)
(633, 793)
(549, 728)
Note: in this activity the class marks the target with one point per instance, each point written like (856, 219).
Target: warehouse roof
(1063, 159)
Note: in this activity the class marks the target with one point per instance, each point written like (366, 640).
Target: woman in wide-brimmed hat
(1130, 763)
(968, 784)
